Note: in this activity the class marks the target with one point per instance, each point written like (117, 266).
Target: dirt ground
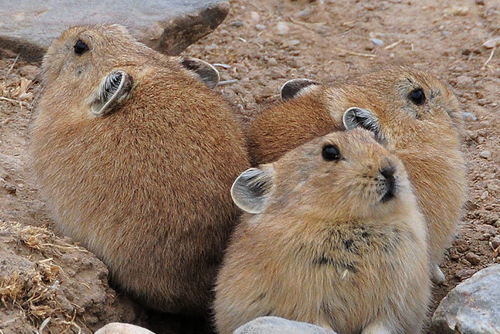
(263, 44)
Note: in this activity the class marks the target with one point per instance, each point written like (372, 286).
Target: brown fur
(288, 125)
(325, 249)
(426, 137)
(146, 188)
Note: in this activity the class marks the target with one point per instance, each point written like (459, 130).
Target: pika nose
(388, 171)
(390, 182)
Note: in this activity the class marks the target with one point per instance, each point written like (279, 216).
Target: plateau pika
(331, 236)
(135, 156)
(412, 113)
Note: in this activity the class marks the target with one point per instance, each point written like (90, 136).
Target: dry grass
(16, 91)
(34, 290)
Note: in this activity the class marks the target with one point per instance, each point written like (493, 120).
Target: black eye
(417, 96)
(331, 153)
(80, 47)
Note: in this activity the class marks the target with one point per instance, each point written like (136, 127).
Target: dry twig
(352, 53)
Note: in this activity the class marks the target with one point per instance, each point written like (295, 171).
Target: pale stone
(275, 325)
(472, 307)
(28, 27)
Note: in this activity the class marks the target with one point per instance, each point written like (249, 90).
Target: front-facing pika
(331, 236)
(412, 113)
(135, 156)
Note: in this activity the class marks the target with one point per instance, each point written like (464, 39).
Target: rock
(473, 258)
(254, 16)
(472, 307)
(464, 273)
(42, 277)
(120, 328)
(496, 242)
(492, 43)
(260, 27)
(237, 24)
(272, 62)
(485, 154)
(469, 116)
(377, 41)
(282, 28)
(28, 27)
(305, 13)
(461, 245)
(465, 81)
(275, 325)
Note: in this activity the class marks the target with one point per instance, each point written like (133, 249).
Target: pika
(135, 156)
(411, 112)
(332, 236)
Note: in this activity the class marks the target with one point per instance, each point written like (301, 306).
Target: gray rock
(28, 26)
(472, 307)
(377, 41)
(469, 116)
(485, 154)
(275, 325)
(120, 328)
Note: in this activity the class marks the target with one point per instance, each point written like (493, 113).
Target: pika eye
(80, 47)
(331, 153)
(417, 96)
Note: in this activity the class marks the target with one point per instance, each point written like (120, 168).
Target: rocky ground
(264, 43)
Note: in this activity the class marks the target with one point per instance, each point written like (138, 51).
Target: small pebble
(460, 10)
(377, 42)
(473, 258)
(461, 245)
(304, 13)
(484, 195)
(482, 102)
(485, 154)
(496, 242)
(465, 81)
(454, 255)
(492, 187)
(290, 43)
(237, 24)
(11, 189)
(468, 116)
(282, 28)
(260, 27)
(480, 2)
(492, 43)
(277, 73)
(272, 62)
(464, 273)
(254, 16)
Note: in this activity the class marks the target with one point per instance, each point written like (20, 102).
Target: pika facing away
(135, 156)
(331, 236)
(411, 112)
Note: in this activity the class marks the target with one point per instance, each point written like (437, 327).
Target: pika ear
(362, 118)
(295, 87)
(113, 89)
(205, 71)
(251, 189)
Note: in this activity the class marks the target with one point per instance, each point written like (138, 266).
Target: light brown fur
(325, 249)
(147, 187)
(426, 137)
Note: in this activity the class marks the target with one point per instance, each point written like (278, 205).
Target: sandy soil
(263, 44)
